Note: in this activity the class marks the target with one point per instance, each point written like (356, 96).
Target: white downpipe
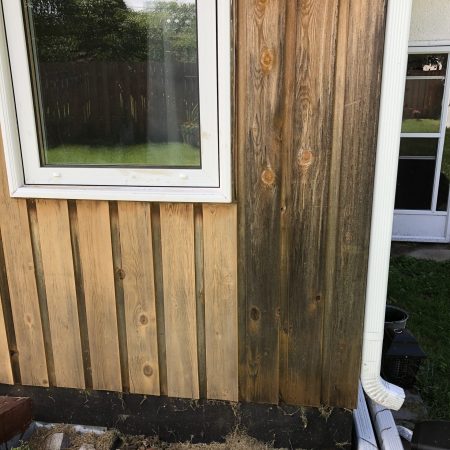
(391, 106)
(385, 428)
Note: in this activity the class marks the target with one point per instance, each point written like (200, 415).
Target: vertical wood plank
(58, 271)
(259, 104)
(8, 317)
(139, 296)
(120, 298)
(98, 279)
(345, 303)
(159, 294)
(6, 375)
(306, 201)
(22, 284)
(177, 244)
(220, 272)
(200, 296)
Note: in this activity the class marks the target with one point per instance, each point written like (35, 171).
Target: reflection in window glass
(418, 147)
(415, 180)
(427, 65)
(422, 106)
(115, 81)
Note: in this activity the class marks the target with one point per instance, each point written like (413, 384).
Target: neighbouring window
(112, 93)
(424, 165)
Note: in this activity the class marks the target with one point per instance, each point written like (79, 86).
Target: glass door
(422, 196)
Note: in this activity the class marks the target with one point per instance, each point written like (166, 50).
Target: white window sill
(129, 193)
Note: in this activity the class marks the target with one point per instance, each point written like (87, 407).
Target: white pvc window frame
(431, 225)
(210, 183)
(444, 50)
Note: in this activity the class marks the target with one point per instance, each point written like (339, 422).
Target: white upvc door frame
(210, 183)
(427, 225)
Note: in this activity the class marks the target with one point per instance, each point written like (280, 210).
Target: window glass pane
(115, 81)
(422, 106)
(418, 146)
(427, 65)
(415, 180)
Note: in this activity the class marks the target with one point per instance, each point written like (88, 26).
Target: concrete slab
(434, 252)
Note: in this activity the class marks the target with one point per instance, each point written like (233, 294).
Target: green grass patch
(420, 125)
(166, 155)
(423, 289)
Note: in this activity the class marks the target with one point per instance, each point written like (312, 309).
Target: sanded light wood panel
(260, 60)
(139, 296)
(306, 195)
(22, 285)
(177, 245)
(345, 309)
(98, 281)
(56, 252)
(6, 375)
(220, 274)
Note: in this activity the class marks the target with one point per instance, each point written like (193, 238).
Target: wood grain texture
(259, 97)
(6, 374)
(177, 245)
(345, 308)
(58, 273)
(305, 151)
(139, 296)
(22, 285)
(98, 281)
(305, 208)
(220, 272)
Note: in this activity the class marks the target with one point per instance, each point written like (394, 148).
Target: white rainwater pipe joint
(389, 128)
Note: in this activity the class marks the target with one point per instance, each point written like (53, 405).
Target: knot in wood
(255, 314)
(121, 274)
(267, 60)
(305, 159)
(268, 177)
(148, 371)
(261, 6)
(143, 319)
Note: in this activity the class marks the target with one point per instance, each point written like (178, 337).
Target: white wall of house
(430, 21)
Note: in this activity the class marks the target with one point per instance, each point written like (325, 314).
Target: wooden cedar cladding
(259, 301)
(115, 296)
(308, 81)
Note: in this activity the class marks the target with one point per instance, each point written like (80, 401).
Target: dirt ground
(237, 440)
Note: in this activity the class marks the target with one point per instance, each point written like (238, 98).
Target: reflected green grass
(420, 125)
(167, 155)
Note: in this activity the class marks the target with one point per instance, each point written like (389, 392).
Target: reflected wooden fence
(118, 102)
(423, 98)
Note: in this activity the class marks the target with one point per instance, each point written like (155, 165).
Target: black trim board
(184, 420)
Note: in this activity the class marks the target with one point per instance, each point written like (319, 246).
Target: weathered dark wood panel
(261, 41)
(354, 188)
(305, 208)
(307, 108)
